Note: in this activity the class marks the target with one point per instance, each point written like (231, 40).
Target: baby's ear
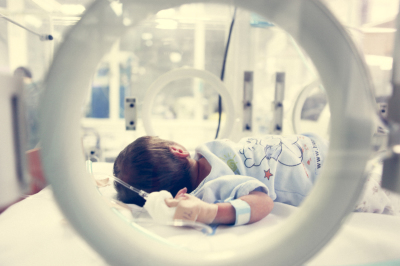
(179, 151)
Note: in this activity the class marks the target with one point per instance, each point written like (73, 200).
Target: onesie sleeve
(229, 187)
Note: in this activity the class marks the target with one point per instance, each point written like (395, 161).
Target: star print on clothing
(268, 174)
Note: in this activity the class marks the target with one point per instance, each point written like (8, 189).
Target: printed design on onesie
(317, 155)
(288, 152)
(268, 174)
(230, 161)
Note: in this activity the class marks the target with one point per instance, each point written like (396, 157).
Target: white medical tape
(243, 211)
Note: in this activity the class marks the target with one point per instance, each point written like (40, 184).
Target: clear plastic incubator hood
(120, 242)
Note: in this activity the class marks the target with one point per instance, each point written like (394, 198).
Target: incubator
(192, 72)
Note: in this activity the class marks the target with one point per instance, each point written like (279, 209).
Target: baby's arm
(192, 208)
(260, 204)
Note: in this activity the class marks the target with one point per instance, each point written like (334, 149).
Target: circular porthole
(184, 73)
(311, 111)
(342, 73)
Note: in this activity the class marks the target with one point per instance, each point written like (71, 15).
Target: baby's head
(148, 164)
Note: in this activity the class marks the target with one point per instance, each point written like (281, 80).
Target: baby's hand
(181, 193)
(188, 207)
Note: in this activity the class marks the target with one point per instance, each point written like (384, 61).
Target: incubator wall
(196, 36)
(263, 61)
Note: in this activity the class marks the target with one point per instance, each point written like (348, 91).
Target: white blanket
(35, 232)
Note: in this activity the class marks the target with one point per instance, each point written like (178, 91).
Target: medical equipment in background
(14, 181)
(342, 73)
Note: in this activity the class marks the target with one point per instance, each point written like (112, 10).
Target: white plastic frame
(343, 75)
(183, 73)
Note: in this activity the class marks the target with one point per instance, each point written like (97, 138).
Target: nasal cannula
(141, 193)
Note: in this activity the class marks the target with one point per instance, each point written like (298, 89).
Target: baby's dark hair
(149, 165)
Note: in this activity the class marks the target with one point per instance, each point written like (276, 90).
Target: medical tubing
(141, 193)
(223, 71)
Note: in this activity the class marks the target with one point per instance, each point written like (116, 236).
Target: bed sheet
(35, 232)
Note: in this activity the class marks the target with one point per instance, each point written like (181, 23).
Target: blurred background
(261, 59)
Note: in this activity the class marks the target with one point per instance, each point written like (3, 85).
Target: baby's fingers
(171, 202)
(181, 193)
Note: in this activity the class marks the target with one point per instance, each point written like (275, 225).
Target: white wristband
(243, 211)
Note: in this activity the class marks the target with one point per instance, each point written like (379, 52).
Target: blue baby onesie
(284, 167)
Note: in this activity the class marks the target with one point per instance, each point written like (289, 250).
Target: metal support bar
(278, 103)
(130, 113)
(248, 101)
(43, 37)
